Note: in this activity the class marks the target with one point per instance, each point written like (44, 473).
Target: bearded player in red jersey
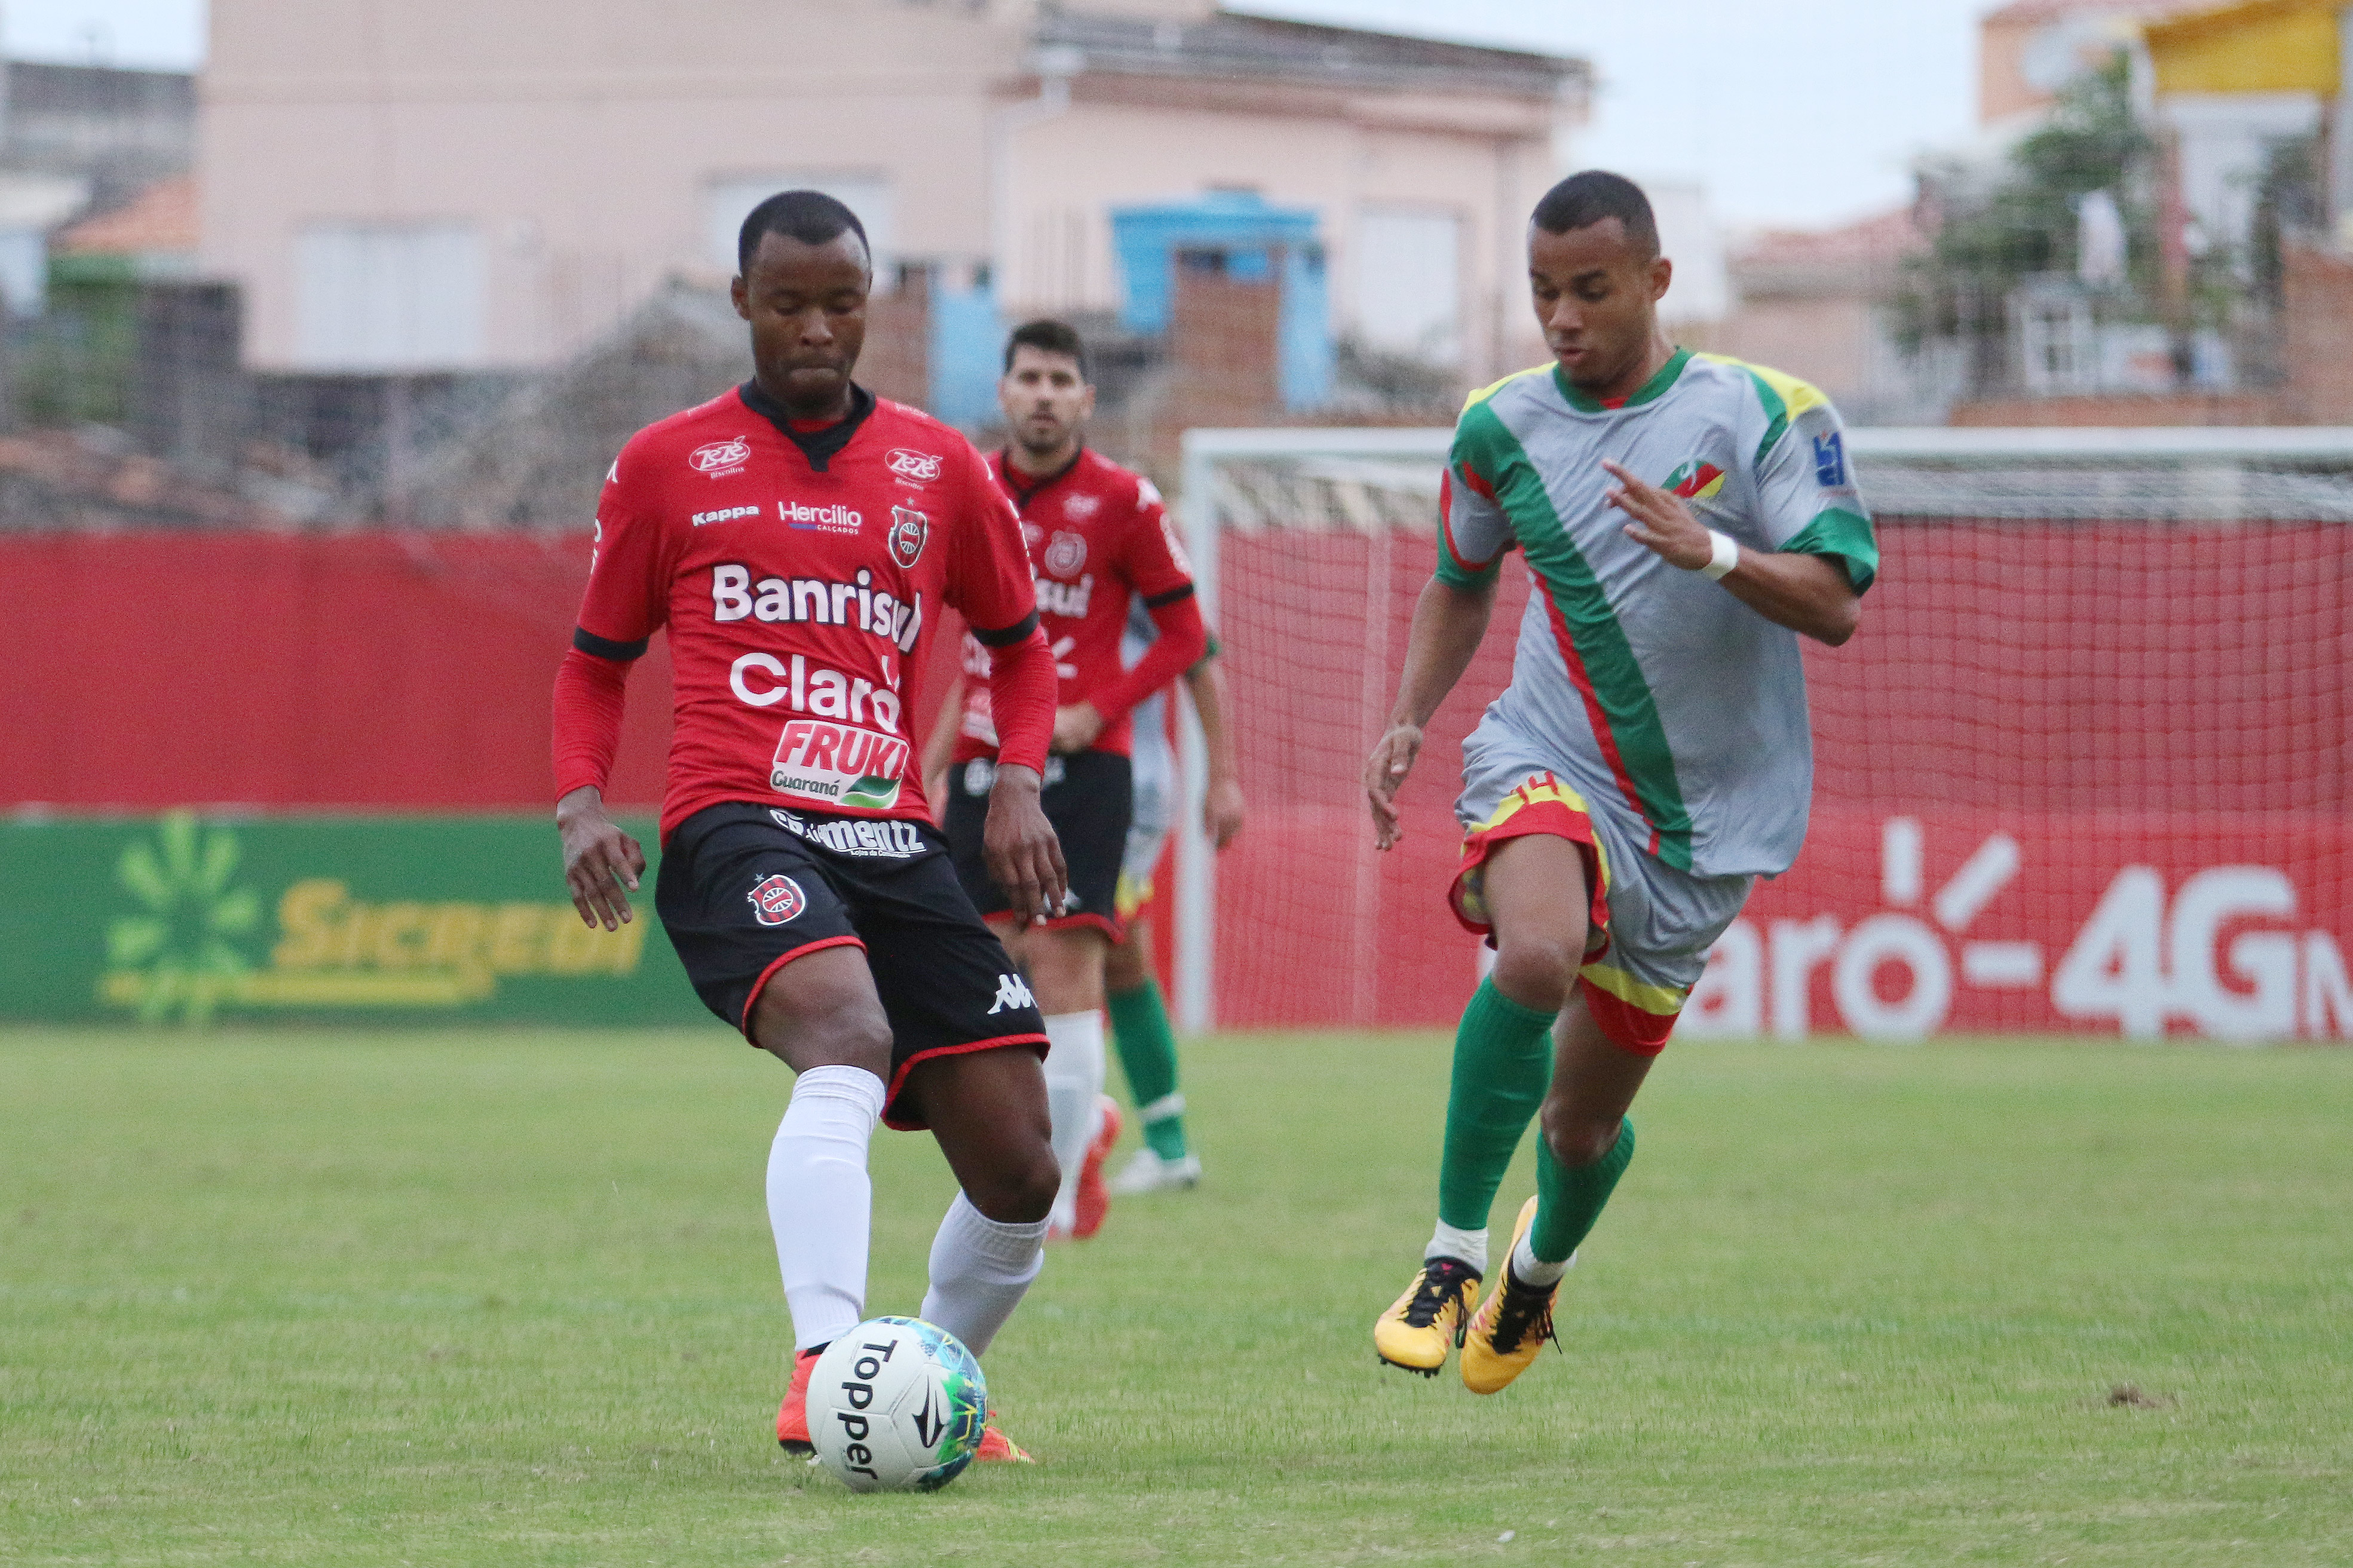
(1099, 539)
(799, 538)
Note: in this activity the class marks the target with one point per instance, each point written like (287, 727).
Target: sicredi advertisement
(186, 917)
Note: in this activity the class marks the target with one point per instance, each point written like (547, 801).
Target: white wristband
(1726, 557)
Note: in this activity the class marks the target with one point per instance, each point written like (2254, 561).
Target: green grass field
(507, 1297)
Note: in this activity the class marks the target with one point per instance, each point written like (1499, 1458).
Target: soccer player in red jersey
(800, 539)
(1099, 539)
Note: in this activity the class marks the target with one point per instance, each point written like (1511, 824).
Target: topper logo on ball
(857, 1393)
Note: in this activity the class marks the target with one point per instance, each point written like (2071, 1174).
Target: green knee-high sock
(1502, 1064)
(1147, 1051)
(1569, 1201)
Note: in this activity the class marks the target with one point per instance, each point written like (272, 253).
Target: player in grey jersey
(1683, 518)
(1139, 1017)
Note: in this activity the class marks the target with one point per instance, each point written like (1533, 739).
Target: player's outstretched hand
(1024, 856)
(601, 863)
(1384, 770)
(1657, 520)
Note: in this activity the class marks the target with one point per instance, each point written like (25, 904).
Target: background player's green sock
(1502, 1064)
(1147, 1051)
(1568, 1202)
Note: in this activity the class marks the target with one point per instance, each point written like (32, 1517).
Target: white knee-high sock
(820, 1201)
(1074, 1080)
(980, 1270)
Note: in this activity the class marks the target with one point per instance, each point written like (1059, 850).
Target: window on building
(2057, 350)
(389, 297)
(1408, 291)
(728, 200)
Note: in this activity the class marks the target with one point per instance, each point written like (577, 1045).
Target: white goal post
(1208, 506)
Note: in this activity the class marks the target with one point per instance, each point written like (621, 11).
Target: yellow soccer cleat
(1424, 1323)
(1511, 1326)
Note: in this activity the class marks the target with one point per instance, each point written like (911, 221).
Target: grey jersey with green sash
(1660, 696)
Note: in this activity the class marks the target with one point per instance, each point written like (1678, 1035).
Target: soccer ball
(895, 1405)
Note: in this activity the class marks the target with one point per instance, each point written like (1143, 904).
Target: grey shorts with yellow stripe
(1661, 921)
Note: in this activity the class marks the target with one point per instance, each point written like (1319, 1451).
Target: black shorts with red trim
(1089, 798)
(745, 890)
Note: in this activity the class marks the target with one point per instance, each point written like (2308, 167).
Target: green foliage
(2288, 202)
(79, 358)
(508, 1297)
(1988, 239)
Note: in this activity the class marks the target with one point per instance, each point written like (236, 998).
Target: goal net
(2086, 767)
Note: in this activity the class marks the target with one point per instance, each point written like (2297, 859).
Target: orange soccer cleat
(792, 1416)
(997, 1449)
(1093, 1200)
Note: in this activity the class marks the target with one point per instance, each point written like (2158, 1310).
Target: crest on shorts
(1065, 553)
(775, 900)
(909, 529)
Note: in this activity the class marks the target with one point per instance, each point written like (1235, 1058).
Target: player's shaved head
(810, 217)
(1597, 195)
(802, 287)
(1596, 275)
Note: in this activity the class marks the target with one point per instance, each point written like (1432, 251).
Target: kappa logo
(1079, 508)
(1011, 992)
(908, 530)
(775, 900)
(720, 457)
(724, 515)
(1066, 554)
(907, 465)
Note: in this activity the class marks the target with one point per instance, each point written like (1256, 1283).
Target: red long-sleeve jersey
(798, 572)
(1098, 536)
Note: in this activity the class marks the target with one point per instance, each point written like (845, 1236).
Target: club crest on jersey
(910, 465)
(1079, 508)
(1697, 481)
(775, 900)
(909, 529)
(719, 459)
(1066, 554)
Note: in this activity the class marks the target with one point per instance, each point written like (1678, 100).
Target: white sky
(1791, 115)
(1795, 115)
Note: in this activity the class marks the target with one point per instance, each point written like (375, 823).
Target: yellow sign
(198, 941)
(2262, 46)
